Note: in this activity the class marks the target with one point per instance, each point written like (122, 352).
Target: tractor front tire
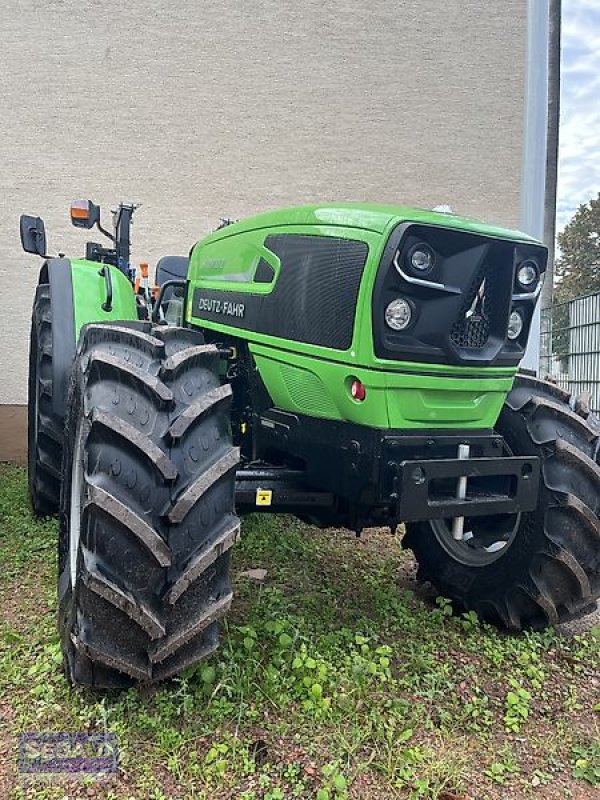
(147, 510)
(45, 427)
(550, 571)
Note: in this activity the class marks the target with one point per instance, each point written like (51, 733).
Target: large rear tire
(45, 427)
(549, 570)
(147, 510)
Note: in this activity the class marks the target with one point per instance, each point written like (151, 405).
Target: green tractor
(352, 364)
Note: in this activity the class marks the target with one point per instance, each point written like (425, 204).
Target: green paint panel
(434, 402)
(89, 292)
(308, 385)
(230, 263)
(366, 216)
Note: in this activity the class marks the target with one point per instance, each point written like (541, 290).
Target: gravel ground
(581, 625)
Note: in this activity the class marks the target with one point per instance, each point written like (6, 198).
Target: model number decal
(225, 307)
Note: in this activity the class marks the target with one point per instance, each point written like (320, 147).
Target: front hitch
(467, 487)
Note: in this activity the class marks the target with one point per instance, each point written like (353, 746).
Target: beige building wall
(198, 110)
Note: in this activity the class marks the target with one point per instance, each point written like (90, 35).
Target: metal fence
(570, 346)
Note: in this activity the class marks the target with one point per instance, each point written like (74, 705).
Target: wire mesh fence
(570, 346)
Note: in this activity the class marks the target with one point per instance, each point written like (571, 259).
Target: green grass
(338, 677)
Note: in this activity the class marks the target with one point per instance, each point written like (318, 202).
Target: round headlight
(527, 274)
(421, 258)
(515, 325)
(398, 314)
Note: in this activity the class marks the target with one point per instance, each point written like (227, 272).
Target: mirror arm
(106, 233)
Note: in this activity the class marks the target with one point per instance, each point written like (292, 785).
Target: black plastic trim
(442, 297)
(265, 273)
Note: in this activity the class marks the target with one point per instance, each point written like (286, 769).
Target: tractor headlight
(398, 314)
(420, 258)
(528, 275)
(515, 325)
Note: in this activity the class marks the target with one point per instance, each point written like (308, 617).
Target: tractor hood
(367, 216)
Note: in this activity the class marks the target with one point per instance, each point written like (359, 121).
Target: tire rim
(485, 539)
(76, 503)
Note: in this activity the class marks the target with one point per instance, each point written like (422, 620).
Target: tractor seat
(171, 268)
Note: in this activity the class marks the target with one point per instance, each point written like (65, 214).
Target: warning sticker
(264, 497)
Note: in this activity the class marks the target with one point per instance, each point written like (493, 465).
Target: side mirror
(84, 214)
(33, 235)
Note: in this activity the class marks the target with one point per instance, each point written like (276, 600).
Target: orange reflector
(79, 212)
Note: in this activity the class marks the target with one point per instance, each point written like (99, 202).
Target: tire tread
(162, 501)
(45, 448)
(562, 576)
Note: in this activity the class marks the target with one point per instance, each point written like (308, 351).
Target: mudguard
(77, 294)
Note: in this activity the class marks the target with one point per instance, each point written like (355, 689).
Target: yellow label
(264, 497)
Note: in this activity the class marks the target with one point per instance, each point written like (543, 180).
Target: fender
(77, 292)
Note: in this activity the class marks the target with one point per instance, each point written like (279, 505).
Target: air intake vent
(472, 328)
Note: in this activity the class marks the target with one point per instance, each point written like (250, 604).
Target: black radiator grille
(315, 298)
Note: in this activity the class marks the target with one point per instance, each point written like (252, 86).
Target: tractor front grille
(461, 304)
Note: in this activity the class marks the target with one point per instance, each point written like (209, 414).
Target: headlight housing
(398, 314)
(420, 259)
(528, 275)
(515, 325)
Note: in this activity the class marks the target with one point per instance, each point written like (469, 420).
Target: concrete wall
(198, 110)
